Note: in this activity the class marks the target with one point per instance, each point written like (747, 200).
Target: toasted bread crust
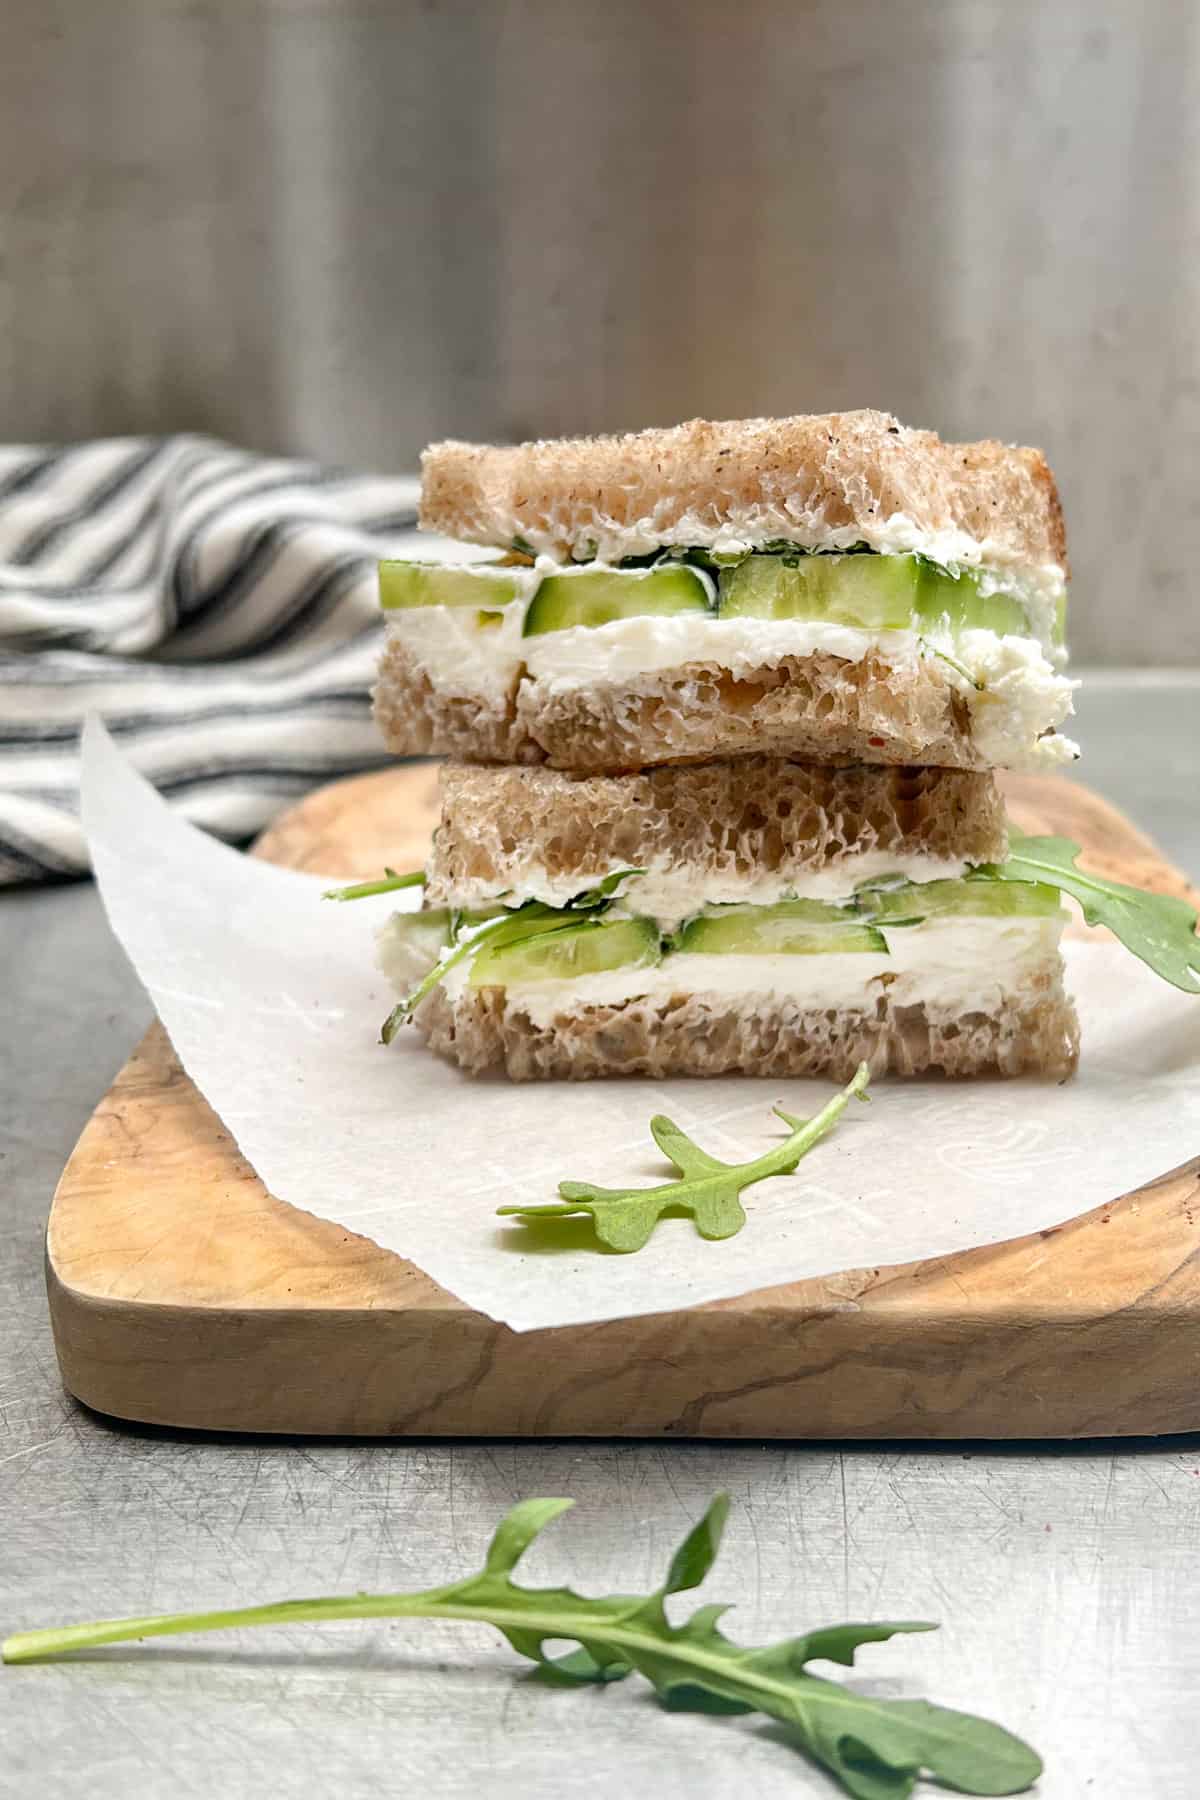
(757, 816)
(821, 708)
(805, 478)
(699, 1035)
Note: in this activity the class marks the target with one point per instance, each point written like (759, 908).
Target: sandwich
(757, 915)
(835, 588)
(726, 702)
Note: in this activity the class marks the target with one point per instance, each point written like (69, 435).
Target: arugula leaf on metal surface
(877, 1749)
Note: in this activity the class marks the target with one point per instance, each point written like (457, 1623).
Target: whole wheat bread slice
(820, 707)
(816, 479)
(710, 1035)
(747, 819)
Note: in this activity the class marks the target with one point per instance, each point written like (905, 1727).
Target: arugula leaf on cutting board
(707, 1190)
(1158, 928)
(876, 1749)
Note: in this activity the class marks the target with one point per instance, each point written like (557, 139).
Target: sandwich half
(830, 587)
(761, 916)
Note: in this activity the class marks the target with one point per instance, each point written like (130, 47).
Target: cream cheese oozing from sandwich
(1018, 703)
(458, 654)
(1015, 697)
(953, 966)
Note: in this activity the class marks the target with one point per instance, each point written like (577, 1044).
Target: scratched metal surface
(1067, 1578)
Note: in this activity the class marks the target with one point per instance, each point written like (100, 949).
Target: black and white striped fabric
(216, 608)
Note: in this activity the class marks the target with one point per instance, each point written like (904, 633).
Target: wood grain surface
(183, 1294)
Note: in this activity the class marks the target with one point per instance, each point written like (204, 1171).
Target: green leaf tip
(517, 1530)
(706, 1190)
(875, 1749)
(1160, 929)
(698, 1551)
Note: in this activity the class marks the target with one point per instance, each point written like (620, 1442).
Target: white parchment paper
(273, 1003)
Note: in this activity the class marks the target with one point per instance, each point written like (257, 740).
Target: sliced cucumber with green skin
(405, 584)
(980, 899)
(870, 593)
(875, 593)
(566, 954)
(792, 928)
(598, 596)
(955, 603)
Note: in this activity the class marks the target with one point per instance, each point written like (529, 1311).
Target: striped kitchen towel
(216, 608)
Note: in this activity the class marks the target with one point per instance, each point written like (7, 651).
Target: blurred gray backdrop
(345, 227)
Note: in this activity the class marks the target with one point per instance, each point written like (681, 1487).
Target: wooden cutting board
(183, 1294)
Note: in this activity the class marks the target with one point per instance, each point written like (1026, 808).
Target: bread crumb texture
(821, 707)
(809, 478)
(755, 816)
(691, 1034)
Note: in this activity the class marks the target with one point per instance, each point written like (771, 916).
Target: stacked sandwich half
(725, 703)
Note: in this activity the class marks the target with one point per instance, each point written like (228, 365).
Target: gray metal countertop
(1067, 1578)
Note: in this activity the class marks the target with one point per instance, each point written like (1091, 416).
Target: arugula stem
(387, 884)
(430, 1603)
(502, 924)
(954, 663)
(38, 1646)
(782, 1160)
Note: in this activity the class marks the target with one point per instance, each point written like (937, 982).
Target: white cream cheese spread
(953, 965)
(950, 964)
(669, 894)
(1016, 697)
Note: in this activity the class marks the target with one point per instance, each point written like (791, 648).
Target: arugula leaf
(709, 1190)
(529, 920)
(876, 1749)
(1158, 928)
(359, 890)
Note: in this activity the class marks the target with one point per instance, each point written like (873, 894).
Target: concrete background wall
(347, 226)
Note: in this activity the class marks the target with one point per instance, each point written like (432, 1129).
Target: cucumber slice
(589, 948)
(1059, 635)
(411, 943)
(954, 603)
(875, 593)
(597, 596)
(427, 931)
(871, 592)
(422, 936)
(405, 584)
(792, 928)
(979, 899)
